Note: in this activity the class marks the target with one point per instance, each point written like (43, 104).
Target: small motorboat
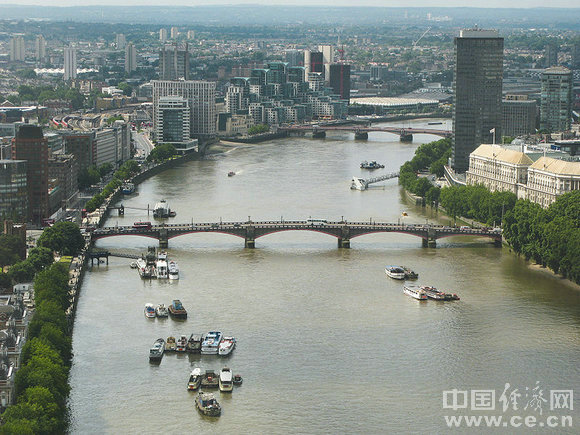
(177, 310)
(209, 379)
(238, 380)
(161, 311)
(231, 174)
(226, 346)
(194, 379)
(194, 343)
(226, 380)
(156, 351)
(207, 404)
(149, 311)
(170, 345)
(181, 344)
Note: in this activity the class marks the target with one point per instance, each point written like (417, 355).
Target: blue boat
(128, 188)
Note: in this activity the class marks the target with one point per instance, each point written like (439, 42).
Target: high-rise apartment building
(519, 115)
(130, 58)
(294, 58)
(17, 48)
(173, 121)
(40, 48)
(340, 80)
(477, 86)
(556, 103)
(162, 35)
(120, 41)
(65, 169)
(174, 62)
(82, 145)
(174, 33)
(576, 56)
(327, 59)
(191, 34)
(551, 54)
(30, 145)
(70, 63)
(13, 190)
(200, 96)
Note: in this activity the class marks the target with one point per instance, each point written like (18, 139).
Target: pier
(250, 231)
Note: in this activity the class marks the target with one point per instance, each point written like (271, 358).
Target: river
(326, 342)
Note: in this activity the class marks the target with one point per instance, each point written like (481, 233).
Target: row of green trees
(429, 157)
(41, 383)
(161, 153)
(93, 174)
(24, 270)
(125, 172)
(550, 237)
(257, 129)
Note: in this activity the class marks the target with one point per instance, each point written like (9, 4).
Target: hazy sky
(384, 3)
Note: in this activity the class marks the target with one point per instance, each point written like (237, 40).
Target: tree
(21, 272)
(52, 285)
(47, 312)
(105, 168)
(63, 237)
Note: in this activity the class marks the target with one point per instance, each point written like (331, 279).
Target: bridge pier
(361, 135)
(406, 137)
(344, 238)
(318, 134)
(250, 239)
(343, 243)
(497, 243)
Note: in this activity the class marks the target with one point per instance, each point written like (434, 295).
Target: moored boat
(161, 311)
(149, 311)
(194, 343)
(161, 271)
(128, 188)
(226, 380)
(156, 351)
(170, 344)
(207, 404)
(415, 292)
(161, 209)
(409, 274)
(211, 342)
(194, 379)
(177, 310)
(226, 346)
(145, 271)
(238, 380)
(231, 174)
(433, 293)
(371, 165)
(181, 344)
(209, 379)
(395, 272)
(451, 297)
(173, 270)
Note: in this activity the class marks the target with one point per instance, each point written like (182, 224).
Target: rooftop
(556, 166)
(502, 154)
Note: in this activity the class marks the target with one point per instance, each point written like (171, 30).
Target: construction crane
(421, 37)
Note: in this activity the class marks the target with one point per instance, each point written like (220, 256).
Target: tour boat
(395, 272)
(145, 271)
(207, 404)
(181, 345)
(211, 342)
(161, 269)
(415, 292)
(173, 270)
(156, 351)
(194, 379)
(161, 311)
(149, 311)
(226, 346)
(226, 380)
(177, 310)
(170, 344)
(433, 293)
(161, 209)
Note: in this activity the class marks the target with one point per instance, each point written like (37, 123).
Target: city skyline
(492, 4)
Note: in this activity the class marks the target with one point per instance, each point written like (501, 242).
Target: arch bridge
(342, 230)
(362, 132)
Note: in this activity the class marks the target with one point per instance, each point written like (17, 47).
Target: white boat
(433, 293)
(226, 346)
(162, 255)
(415, 291)
(181, 345)
(161, 311)
(395, 272)
(161, 209)
(145, 271)
(149, 311)
(194, 379)
(156, 351)
(173, 270)
(358, 183)
(211, 342)
(161, 269)
(226, 383)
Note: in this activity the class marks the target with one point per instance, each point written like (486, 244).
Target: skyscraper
(556, 104)
(551, 54)
(163, 35)
(340, 80)
(17, 48)
(30, 145)
(477, 86)
(200, 96)
(130, 58)
(70, 63)
(174, 62)
(174, 33)
(40, 48)
(327, 59)
(173, 121)
(120, 41)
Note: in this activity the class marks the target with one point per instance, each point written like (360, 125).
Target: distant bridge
(250, 231)
(405, 134)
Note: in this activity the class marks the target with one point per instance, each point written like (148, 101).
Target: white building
(163, 35)
(174, 33)
(70, 63)
(549, 178)
(200, 96)
(130, 58)
(120, 41)
(17, 48)
(327, 59)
